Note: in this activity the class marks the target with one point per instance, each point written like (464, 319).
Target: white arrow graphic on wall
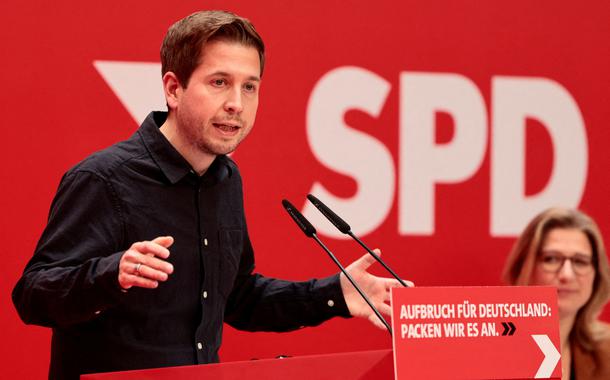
(137, 85)
(551, 356)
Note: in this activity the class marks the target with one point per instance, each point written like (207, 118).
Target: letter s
(349, 151)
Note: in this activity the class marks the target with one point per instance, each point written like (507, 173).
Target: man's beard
(205, 143)
(217, 149)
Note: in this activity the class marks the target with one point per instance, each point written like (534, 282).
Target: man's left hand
(376, 288)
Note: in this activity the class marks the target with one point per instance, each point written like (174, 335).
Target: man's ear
(172, 90)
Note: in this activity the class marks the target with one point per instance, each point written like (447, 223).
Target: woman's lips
(566, 291)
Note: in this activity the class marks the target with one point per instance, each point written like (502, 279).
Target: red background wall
(57, 109)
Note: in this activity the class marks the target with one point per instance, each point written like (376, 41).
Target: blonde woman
(564, 248)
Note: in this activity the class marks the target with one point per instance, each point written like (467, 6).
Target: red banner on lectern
(476, 333)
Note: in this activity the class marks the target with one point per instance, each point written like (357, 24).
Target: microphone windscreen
(330, 215)
(299, 219)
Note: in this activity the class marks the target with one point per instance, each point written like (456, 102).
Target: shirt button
(205, 242)
(98, 312)
(331, 303)
(205, 294)
(199, 346)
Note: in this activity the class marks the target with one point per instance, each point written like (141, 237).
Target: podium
(476, 333)
(365, 365)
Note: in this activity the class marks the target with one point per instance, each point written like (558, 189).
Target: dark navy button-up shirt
(137, 190)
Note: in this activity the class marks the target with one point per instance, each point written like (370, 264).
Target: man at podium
(146, 252)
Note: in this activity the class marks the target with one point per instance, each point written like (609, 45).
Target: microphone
(310, 231)
(346, 229)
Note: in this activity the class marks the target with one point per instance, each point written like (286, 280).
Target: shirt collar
(169, 160)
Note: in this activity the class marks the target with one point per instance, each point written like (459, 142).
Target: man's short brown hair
(185, 40)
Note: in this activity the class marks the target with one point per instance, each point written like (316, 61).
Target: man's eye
(250, 87)
(218, 82)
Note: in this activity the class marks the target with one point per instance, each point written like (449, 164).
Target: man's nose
(233, 103)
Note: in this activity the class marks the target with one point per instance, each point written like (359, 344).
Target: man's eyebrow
(254, 78)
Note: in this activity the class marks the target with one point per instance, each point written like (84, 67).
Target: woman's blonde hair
(522, 259)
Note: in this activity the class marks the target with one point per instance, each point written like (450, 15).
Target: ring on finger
(137, 268)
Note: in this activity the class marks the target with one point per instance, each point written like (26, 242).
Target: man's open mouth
(226, 127)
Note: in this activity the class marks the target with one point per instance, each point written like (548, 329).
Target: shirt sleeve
(259, 303)
(73, 274)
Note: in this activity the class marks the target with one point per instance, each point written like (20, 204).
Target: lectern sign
(476, 333)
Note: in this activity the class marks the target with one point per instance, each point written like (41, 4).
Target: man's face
(216, 111)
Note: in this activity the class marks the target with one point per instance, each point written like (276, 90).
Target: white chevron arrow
(138, 85)
(551, 356)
